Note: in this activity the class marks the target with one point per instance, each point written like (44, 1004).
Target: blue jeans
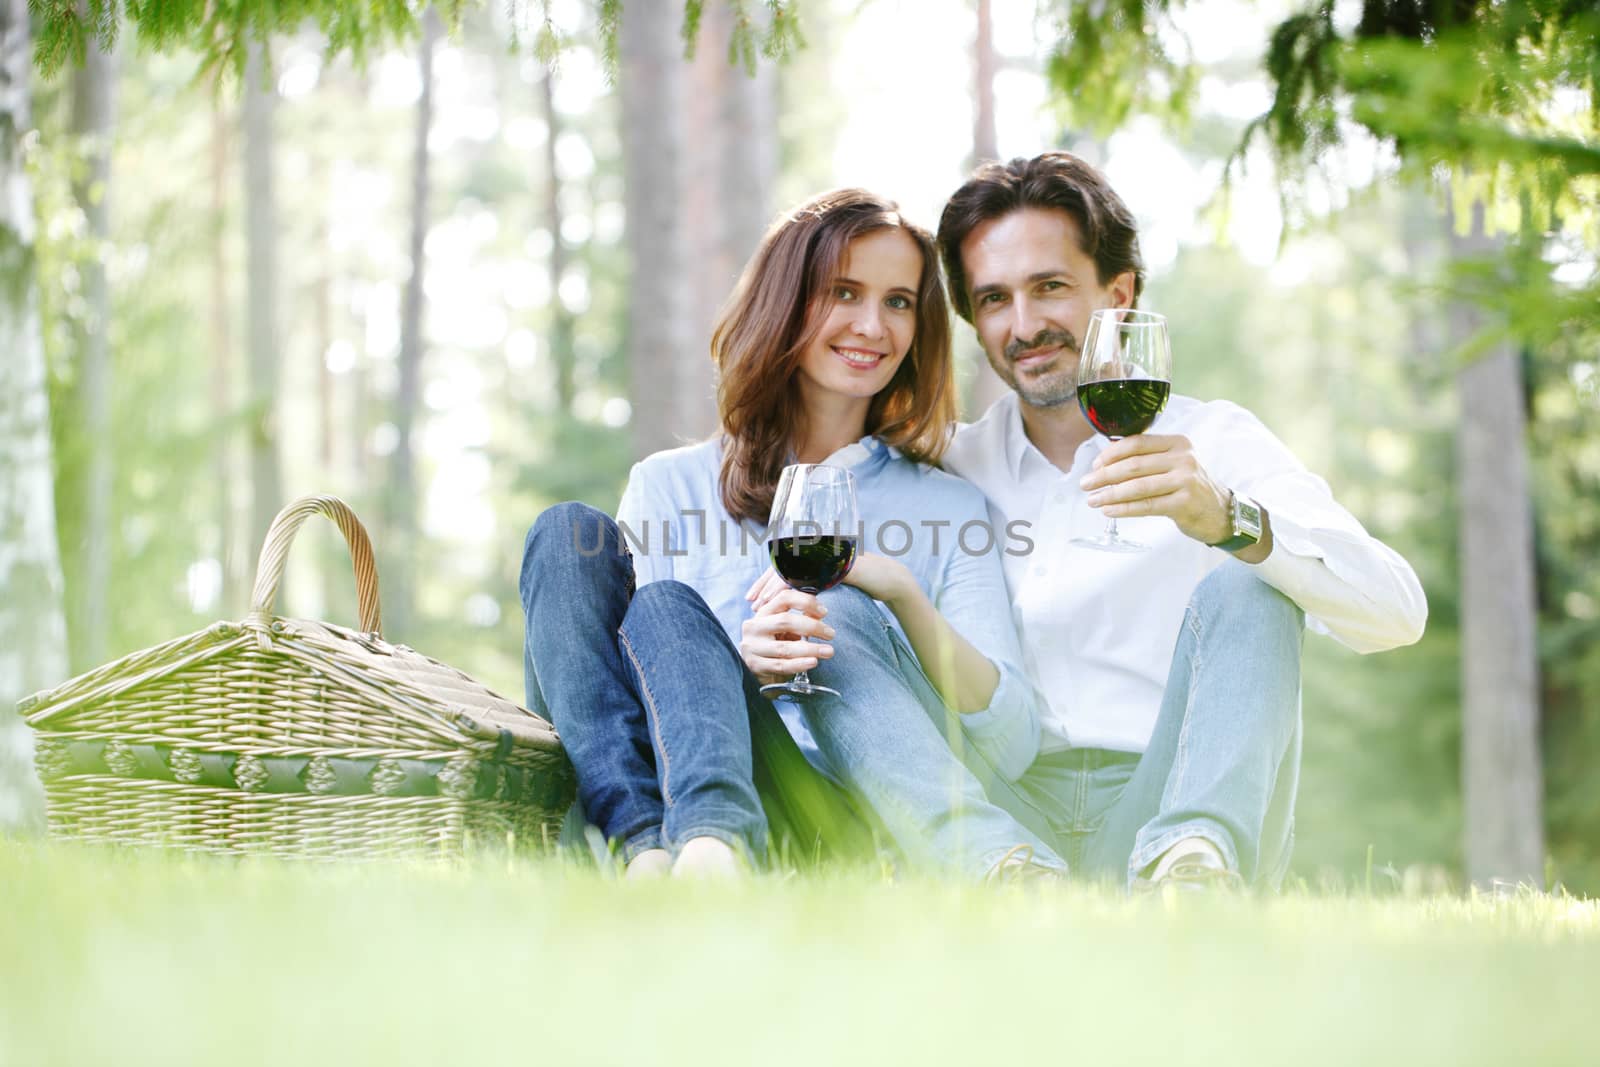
(1223, 761)
(671, 738)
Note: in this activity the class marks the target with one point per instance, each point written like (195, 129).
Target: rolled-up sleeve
(973, 600)
(1351, 586)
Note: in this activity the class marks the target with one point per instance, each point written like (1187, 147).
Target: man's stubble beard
(1052, 389)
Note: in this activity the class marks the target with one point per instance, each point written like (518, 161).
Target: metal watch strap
(1239, 539)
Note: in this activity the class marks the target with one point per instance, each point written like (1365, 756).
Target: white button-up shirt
(1098, 628)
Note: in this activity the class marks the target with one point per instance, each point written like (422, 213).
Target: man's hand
(772, 643)
(1157, 474)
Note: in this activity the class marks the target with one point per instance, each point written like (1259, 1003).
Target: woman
(835, 348)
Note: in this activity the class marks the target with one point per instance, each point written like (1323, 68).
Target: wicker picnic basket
(290, 737)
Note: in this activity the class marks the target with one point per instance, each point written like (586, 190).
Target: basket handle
(275, 549)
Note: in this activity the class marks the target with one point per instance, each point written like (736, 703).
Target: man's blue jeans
(1223, 761)
(671, 738)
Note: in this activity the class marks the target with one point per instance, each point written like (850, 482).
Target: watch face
(1246, 517)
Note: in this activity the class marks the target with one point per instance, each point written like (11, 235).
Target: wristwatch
(1244, 516)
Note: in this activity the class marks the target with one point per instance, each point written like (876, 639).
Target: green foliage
(1501, 99)
(1304, 114)
(220, 32)
(775, 35)
(1107, 63)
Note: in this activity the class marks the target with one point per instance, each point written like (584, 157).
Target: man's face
(1033, 288)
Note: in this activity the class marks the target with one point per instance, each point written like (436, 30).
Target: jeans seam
(1080, 799)
(1180, 758)
(653, 715)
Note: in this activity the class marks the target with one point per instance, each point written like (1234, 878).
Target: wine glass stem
(802, 679)
(1111, 520)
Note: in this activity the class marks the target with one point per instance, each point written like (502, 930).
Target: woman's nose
(869, 323)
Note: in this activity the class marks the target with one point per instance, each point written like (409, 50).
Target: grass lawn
(118, 958)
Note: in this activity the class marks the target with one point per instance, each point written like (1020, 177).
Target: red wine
(812, 564)
(1123, 407)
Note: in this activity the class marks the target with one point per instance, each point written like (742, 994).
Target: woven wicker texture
(295, 738)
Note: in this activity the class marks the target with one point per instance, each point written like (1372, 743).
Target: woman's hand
(882, 578)
(773, 643)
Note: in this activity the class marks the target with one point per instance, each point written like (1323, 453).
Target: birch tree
(33, 637)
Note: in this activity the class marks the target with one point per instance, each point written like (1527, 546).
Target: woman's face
(869, 322)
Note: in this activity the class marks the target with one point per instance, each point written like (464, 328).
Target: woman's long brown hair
(776, 311)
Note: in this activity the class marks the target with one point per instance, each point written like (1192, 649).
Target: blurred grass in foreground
(112, 957)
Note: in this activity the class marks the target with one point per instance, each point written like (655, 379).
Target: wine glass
(1124, 378)
(811, 538)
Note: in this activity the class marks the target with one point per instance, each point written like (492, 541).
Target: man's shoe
(1193, 865)
(1018, 866)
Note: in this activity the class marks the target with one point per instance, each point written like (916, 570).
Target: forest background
(475, 275)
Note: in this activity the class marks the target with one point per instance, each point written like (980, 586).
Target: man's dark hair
(1056, 181)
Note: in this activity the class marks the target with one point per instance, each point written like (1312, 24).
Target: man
(1170, 677)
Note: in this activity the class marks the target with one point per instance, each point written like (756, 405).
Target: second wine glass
(811, 538)
(1124, 378)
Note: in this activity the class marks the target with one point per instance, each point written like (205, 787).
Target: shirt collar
(1018, 446)
(860, 454)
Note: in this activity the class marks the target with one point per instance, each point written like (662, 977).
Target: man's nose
(1026, 322)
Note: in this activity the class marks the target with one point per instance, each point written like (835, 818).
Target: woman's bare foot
(651, 863)
(707, 857)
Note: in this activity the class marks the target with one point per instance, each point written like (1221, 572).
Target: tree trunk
(33, 638)
(729, 123)
(93, 118)
(700, 153)
(985, 141)
(1502, 782)
(562, 327)
(400, 584)
(986, 386)
(659, 293)
(261, 221)
(222, 403)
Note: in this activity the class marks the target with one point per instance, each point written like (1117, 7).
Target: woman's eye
(844, 292)
(900, 303)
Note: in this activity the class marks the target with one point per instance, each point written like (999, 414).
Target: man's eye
(990, 298)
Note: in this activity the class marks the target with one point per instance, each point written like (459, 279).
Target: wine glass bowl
(811, 540)
(1124, 379)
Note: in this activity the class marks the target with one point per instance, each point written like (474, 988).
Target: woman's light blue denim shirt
(675, 526)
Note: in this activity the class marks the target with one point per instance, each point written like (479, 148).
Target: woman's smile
(858, 358)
